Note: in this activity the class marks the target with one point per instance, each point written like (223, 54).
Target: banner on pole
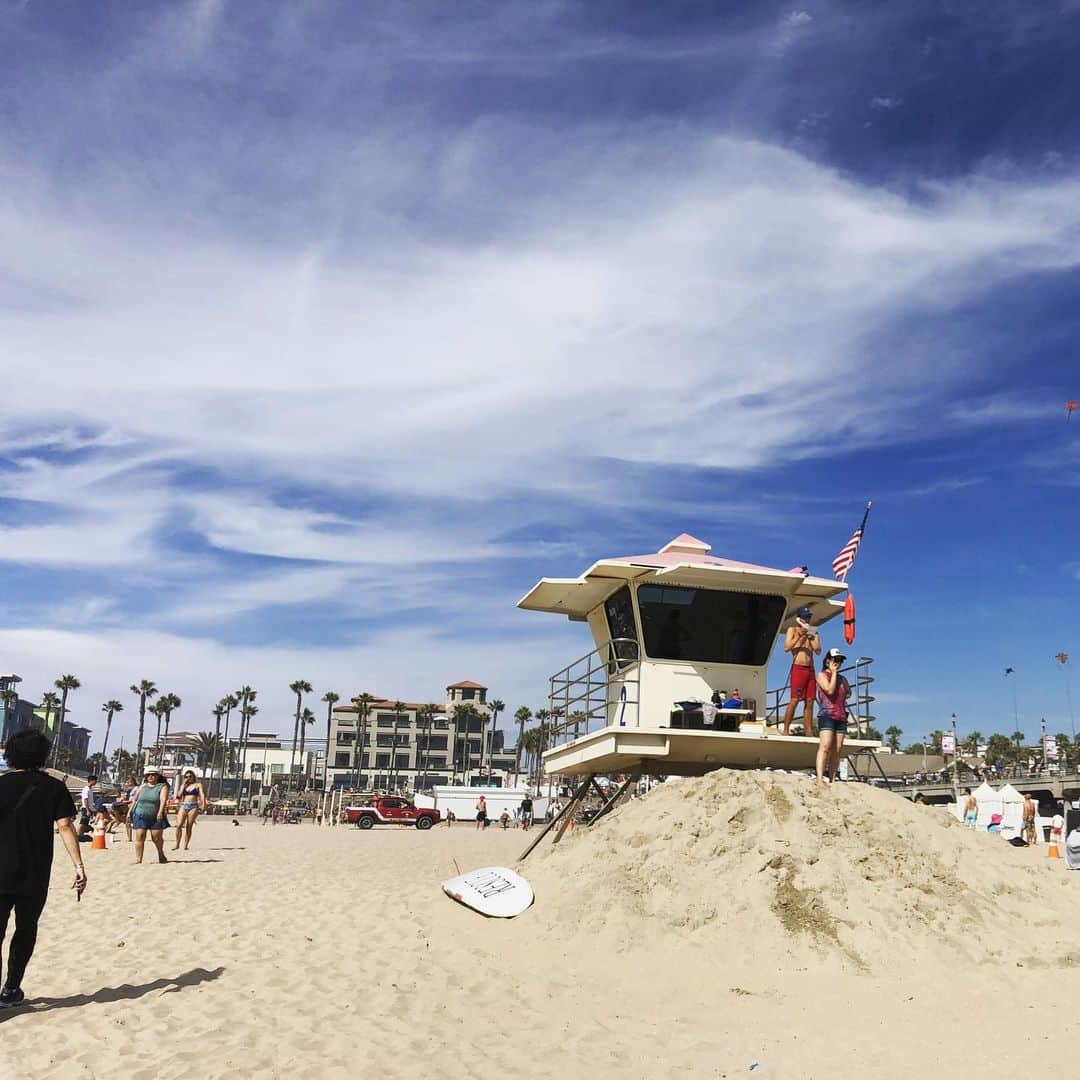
(1050, 747)
(948, 745)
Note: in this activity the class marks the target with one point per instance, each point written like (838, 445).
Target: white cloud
(886, 103)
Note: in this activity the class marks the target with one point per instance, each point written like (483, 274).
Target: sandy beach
(719, 924)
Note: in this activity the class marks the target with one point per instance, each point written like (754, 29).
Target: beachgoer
(1029, 818)
(733, 700)
(451, 817)
(504, 818)
(481, 813)
(1072, 848)
(191, 803)
(147, 812)
(526, 813)
(971, 808)
(919, 799)
(833, 692)
(803, 642)
(131, 786)
(1057, 825)
(31, 803)
(88, 805)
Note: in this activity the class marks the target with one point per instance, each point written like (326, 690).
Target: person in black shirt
(31, 802)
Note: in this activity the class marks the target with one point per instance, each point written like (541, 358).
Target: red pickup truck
(390, 810)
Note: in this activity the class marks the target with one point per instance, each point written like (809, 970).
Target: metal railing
(859, 707)
(606, 681)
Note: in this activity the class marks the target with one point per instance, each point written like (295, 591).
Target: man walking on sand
(31, 803)
(803, 642)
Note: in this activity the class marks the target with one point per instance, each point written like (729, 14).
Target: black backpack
(9, 841)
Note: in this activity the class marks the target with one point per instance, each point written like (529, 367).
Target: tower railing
(605, 681)
(859, 707)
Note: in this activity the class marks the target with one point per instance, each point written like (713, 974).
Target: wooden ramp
(682, 752)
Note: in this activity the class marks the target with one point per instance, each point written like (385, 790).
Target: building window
(384, 740)
(435, 763)
(344, 738)
(382, 761)
(440, 723)
(433, 742)
(341, 760)
(402, 761)
(468, 694)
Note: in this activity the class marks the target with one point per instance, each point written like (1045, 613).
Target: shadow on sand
(109, 994)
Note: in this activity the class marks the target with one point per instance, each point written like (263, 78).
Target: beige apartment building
(407, 751)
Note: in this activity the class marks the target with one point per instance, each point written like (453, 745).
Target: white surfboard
(491, 890)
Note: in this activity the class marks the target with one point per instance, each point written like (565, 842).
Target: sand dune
(688, 935)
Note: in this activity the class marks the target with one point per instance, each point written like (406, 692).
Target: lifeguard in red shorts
(803, 642)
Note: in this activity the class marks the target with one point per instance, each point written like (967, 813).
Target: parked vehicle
(391, 810)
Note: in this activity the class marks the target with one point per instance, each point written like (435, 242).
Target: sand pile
(851, 877)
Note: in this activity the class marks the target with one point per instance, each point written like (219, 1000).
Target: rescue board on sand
(491, 890)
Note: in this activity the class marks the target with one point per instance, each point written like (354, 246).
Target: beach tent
(1012, 811)
(989, 802)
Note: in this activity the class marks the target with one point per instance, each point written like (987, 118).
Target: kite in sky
(1070, 408)
(1009, 670)
(1062, 658)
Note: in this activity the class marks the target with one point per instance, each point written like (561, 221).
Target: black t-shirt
(26, 831)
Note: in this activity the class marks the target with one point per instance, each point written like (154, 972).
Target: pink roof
(688, 550)
(466, 685)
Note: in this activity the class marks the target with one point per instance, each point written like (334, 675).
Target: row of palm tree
(996, 747)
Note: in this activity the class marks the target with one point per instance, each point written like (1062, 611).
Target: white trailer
(461, 801)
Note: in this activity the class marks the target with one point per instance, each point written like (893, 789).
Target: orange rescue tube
(849, 619)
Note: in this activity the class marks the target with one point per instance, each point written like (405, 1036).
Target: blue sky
(329, 328)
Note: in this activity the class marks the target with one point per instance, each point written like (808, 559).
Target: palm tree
(971, 741)
(544, 716)
(299, 688)
(65, 684)
(1018, 738)
(49, 702)
(306, 717)
(206, 746)
(465, 712)
(245, 695)
(522, 715)
(428, 713)
(168, 702)
(123, 763)
(363, 711)
(399, 711)
(10, 699)
(246, 713)
(218, 711)
(144, 689)
(111, 706)
(331, 700)
(494, 708)
(226, 704)
(892, 735)
(158, 710)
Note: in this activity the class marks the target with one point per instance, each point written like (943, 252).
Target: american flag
(842, 563)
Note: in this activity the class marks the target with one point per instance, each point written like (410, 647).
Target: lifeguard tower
(676, 631)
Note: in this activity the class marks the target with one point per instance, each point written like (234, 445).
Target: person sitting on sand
(147, 812)
(833, 693)
(803, 642)
(504, 818)
(971, 808)
(192, 801)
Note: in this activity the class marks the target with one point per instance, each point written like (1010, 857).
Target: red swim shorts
(802, 682)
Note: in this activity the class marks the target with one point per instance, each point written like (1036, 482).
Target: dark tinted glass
(619, 609)
(708, 625)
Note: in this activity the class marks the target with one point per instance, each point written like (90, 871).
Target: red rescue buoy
(849, 619)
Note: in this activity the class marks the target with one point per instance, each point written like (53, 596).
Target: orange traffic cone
(98, 843)
(1052, 850)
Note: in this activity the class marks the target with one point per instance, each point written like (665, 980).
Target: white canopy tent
(1012, 811)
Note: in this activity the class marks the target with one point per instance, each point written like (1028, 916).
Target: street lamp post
(955, 762)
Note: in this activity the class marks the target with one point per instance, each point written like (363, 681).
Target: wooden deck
(683, 752)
